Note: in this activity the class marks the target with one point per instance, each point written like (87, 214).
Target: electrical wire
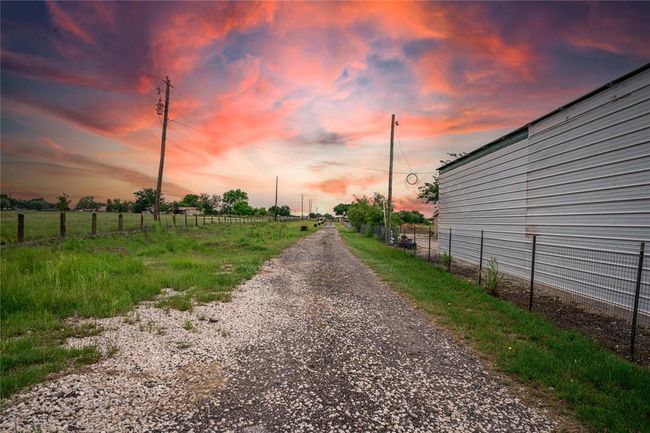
(332, 163)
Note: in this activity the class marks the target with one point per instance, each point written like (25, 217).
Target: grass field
(45, 225)
(603, 391)
(43, 285)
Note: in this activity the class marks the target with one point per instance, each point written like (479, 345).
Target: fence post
(532, 274)
(93, 225)
(480, 261)
(449, 263)
(211, 219)
(429, 255)
(62, 229)
(185, 215)
(203, 219)
(141, 221)
(637, 293)
(21, 228)
(120, 223)
(174, 220)
(415, 245)
(196, 220)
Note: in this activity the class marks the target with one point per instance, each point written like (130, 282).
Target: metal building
(579, 179)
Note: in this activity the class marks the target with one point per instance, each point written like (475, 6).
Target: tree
(328, 216)
(63, 202)
(282, 210)
(366, 211)
(260, 211)
(209, 204)
(232, 197)
(145, 199)
(117, 205)
(6, 202)
(242, 208)
(87, 203)
(429, 192)
(190, 200)
(452, 157)
(341, 209)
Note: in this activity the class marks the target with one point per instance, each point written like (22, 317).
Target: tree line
(370, 211)
(232, 202)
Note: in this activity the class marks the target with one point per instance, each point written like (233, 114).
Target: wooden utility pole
(275, 214)
(390, 179)
(156, 209)
(302, 206)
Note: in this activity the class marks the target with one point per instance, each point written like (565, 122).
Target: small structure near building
(190, 210)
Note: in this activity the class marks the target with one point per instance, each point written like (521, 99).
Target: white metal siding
(581, 179)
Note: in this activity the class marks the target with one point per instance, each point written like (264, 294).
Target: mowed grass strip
(43, 285)
(605, 392)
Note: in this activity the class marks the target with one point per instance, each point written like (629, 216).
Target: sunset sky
(300, 90)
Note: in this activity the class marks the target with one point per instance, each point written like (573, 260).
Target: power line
(332, 163)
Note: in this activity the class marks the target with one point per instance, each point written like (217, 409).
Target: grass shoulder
(603, 391)
(43, 286)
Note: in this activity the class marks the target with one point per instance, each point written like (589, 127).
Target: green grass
(605, 392)
(44, 284)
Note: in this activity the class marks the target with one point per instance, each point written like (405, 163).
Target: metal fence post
(415, 245)
(62, 229)
(21, 228)
(93, 225)
(120, 223)
(637, 293)
(449, 263)
(532, 274)
(480, 261)
(429, 254)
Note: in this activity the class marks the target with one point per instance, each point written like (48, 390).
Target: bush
(491, 277)
(445, 259)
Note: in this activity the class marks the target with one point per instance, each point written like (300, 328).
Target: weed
(188, 325)
(491, 276)
(183, 345)
(445, 260)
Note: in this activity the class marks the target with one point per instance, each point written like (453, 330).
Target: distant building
(188, 210)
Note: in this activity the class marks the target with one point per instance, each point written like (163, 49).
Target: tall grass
(43, 285)
(605, 392)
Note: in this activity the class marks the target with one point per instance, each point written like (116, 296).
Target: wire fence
(543, 272)
(19, 228)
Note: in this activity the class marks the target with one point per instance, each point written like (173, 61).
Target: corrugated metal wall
(580, 180)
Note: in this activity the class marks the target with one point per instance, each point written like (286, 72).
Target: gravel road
(315, 342)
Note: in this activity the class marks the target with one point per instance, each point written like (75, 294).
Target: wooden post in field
(62, 229)
(185, 220)
(174, 220)
(196, 220)
(93, 225)
(120, 223)
(141, 221)
(203, 219)
(21, 228)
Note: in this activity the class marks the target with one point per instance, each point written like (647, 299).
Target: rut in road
(343, 352)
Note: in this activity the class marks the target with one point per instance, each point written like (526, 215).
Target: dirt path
(314, 342)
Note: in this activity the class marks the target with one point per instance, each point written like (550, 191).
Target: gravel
(314, 342)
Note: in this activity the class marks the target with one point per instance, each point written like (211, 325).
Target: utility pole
(309, 216)
(156, 208)
(302, 206)
(275, 216)
(390, 178)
